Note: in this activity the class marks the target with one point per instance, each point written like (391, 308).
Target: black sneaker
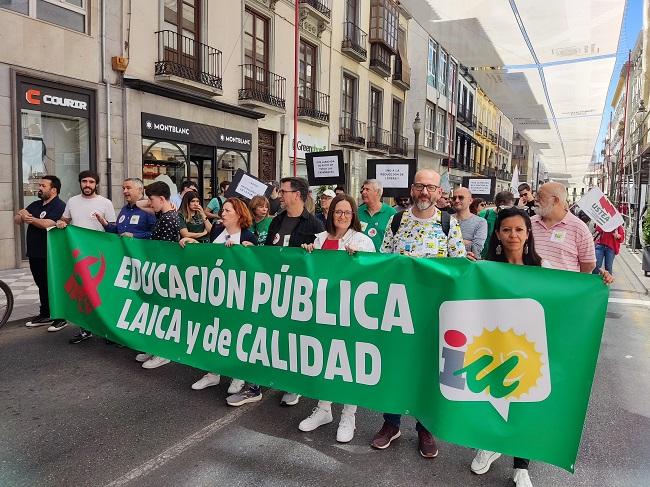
(82, 336)
(39, 321)
(57, 325)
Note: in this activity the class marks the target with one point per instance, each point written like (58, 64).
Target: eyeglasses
(430, 187)
(459, 197)
(340, 213)
(363, 190)
(284, 191)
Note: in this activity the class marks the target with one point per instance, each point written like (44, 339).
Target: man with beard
(132, 221)
(561, 238)
(292, 227)
(82, 211)
(421, 231)
(39, 216)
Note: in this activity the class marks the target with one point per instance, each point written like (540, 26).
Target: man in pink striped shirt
(561, 238)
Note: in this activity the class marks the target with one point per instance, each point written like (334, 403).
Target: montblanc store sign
(166, 128)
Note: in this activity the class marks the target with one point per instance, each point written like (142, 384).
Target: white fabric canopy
(546, 64)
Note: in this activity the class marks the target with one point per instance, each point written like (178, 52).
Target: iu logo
(82, 286)
(494, 351)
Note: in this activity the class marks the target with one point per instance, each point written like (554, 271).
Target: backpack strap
(396, 221)
(446, 222)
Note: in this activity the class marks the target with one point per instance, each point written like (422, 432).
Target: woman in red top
(608, 245)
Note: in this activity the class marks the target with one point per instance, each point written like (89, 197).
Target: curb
(634, 271)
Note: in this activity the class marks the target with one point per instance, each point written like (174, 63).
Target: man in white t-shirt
(80, 211)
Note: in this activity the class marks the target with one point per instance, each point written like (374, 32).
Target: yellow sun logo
(501, 347)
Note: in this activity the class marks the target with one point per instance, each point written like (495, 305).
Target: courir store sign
(159, 127)
(33, 96)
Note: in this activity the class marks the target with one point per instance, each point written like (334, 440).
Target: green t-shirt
(375, 225)
(261, 229)
(491, 217)
(195, 225)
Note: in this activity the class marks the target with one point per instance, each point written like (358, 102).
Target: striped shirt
(565, 245)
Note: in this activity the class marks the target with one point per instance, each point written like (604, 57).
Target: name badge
(285, 243)
(134, 219)
(558, 236)
(364, 225)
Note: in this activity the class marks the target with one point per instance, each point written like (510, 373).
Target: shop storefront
(56, 135)
(174, 149)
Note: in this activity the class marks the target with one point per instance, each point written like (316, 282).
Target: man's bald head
(461, 199)
(427, 176)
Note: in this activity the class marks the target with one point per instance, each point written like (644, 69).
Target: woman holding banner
(512, 242)
(233, 230)
(343, 232)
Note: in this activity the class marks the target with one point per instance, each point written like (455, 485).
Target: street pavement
(89, 415)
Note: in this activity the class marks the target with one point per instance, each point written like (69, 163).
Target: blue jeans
(395, 420)
(603, 252)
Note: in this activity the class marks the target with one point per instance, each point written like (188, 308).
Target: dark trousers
(521, 463)
(395, 420)
(38, 266)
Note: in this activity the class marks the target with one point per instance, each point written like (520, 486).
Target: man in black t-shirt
(39, 216)
(292, 227)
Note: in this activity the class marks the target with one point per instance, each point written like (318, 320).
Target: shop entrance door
(202, 171)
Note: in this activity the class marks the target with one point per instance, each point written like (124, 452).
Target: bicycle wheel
(6, 302)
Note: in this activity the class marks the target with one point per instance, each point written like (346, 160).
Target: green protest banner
(480, 361)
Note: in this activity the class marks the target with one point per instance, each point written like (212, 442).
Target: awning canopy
(546, 64)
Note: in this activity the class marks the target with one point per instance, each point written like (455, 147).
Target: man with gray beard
(421, 231)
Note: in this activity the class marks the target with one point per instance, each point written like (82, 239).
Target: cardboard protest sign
(395, 175)
(597, 207)
(245, 185)
(325, 167)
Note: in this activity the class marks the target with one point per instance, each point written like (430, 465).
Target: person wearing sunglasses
(473, 227)
(526, 199)
(343, 232)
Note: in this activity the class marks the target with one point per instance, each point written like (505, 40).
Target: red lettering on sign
(607, 206)
(33, 97)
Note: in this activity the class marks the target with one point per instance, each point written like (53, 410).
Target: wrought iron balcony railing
(378, 139)
(354, 41)
(322, 6)
(351, 131)
(399, 144)
(313, 104)
(261, 85)
(187, 58)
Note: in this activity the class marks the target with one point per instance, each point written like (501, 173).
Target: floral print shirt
(419, 237)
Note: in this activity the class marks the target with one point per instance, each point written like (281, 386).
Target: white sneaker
(236, 385)
(318, 417)
(289, 399)
(483, 460)
(154, 362)
(345, 433)
(206, 381)
(521, 478)
(143, 357)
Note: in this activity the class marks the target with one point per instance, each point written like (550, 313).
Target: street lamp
(417, 127)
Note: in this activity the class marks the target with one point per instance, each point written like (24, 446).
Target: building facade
(56, 117)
